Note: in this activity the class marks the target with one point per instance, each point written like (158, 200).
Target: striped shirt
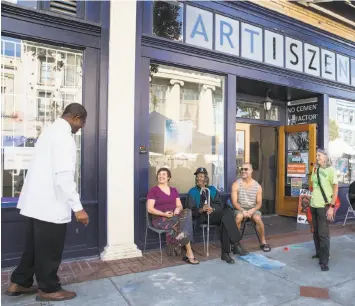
(247, 196)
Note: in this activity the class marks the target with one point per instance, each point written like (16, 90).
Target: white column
(205, 111)
(120, 134)
(172, 108)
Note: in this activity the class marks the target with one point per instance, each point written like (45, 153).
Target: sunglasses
(244, 169)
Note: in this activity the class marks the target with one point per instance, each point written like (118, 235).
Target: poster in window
(178, 137)
(18, 158)
(296, 186)
(296, 164)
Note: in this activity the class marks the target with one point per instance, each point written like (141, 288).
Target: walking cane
(208, 218)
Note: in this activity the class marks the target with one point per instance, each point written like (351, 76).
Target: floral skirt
(181, 230)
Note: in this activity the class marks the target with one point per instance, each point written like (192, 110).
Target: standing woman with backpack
(324, 196)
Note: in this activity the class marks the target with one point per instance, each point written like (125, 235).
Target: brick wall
(303, 14)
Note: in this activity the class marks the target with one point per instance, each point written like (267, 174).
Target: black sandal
(265, 247)
(188, 260)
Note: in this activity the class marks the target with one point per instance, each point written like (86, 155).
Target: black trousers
(42, 256)
(229, 230)
(321, 234)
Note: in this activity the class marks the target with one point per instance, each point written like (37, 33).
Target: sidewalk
(94, 269)
(281, 277)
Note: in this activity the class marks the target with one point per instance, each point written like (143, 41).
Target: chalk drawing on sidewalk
(262, 261)
(169, 280)
(130, 287)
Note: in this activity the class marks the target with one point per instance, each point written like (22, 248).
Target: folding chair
(350, 209)
(249, 222)
(156, 230)
(204, 227)
(245, 222)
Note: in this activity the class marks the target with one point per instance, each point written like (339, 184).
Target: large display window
(37, 82)
(186, 125)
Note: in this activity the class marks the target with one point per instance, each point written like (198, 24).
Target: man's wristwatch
(332, 205)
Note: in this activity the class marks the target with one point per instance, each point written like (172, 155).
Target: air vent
(65, 7)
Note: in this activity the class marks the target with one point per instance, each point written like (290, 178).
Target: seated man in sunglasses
(219, 215)
(247, 200)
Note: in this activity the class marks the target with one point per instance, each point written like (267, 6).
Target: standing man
(219, 215)
(247, 200)
(48, 196)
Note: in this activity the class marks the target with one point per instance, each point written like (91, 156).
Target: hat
(201, 170)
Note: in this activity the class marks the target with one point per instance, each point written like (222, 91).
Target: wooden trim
(287, 205)
(305, 15)
(312, 149)
(281, 156)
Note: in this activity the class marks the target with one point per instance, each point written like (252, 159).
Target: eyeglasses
(244, 169)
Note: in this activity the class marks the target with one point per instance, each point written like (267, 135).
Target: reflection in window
(186, 125)
(167, 19)
(342, 139)
(250, 110)
(340, 114)
(298, 153)
(27, 3)
(34, 94)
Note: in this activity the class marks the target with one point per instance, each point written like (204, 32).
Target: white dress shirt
(49, 191)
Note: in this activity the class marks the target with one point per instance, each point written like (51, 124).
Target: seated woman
(219, 215)
(163, 202)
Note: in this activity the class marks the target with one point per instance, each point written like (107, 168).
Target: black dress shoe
(227, 258)
(238, 250)
(324, 267)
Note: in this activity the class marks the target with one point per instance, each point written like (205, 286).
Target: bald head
(75, 114)
(75, 110)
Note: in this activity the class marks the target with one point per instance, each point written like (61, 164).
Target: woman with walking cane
(206, 204)
(323, 203)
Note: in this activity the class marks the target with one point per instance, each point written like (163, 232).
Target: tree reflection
(167, 20)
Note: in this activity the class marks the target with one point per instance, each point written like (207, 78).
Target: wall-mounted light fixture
(268, 102)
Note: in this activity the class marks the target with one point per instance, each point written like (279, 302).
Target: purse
(337, 202)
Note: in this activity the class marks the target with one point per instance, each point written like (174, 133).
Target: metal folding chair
(204, 227)
(246, 223)
(156, 230)
(350, 209)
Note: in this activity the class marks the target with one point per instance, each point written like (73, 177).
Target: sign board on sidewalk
(304, 201)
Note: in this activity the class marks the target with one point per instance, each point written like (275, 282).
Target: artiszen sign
(254, 43)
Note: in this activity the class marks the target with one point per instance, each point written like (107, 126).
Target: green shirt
(328, 178)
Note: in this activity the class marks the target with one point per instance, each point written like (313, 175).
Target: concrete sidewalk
(281, 278)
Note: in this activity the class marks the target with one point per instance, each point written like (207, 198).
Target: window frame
(10, 200)
(145, 181)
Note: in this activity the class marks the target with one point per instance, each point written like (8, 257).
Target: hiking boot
(238, 250)
(226, 257)
(16, 290)
(61, 295)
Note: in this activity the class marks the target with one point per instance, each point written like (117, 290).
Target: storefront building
(53, 53)
(181, 85)
(235, 82)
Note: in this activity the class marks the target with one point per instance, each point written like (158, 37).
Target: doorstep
(78, 271)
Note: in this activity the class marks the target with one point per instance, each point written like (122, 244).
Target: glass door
(296, 158)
